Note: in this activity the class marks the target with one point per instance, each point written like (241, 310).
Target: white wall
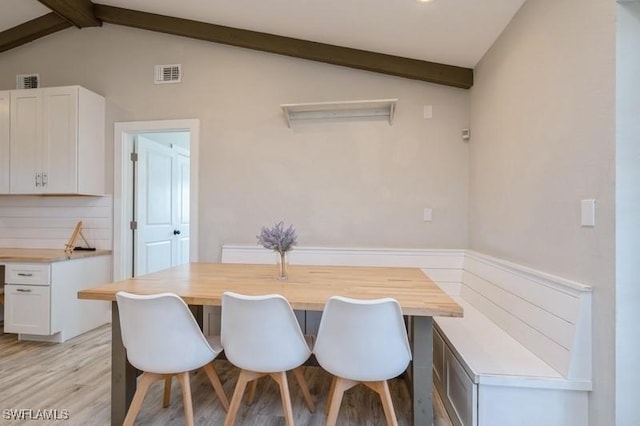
(341, 184)
(543, 138)
(627, 215)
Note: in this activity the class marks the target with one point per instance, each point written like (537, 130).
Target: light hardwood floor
(75, 376)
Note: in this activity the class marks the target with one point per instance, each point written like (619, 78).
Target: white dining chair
(162, 339)
(261, 336)
(362, 341)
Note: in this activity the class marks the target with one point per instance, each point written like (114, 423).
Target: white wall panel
(47, 222)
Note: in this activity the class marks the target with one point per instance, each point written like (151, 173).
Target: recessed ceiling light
(424, 1)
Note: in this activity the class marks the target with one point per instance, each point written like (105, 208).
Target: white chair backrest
(261, 333)
(363, 340)
(160, 334)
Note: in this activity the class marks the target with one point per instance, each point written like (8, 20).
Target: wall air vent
(27, 81)
(168, 74)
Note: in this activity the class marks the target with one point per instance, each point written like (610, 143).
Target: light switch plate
(427, 214)
(588, 212)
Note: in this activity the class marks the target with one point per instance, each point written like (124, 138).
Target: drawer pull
(25, 274)
(24, 290)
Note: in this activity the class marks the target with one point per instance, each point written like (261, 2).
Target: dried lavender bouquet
(277, 238)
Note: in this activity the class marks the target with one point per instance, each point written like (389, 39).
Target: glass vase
(282, 266)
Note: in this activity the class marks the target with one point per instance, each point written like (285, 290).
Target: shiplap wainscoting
(47, 221)
(549, 315)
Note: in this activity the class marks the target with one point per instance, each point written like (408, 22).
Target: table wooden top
(307, 288)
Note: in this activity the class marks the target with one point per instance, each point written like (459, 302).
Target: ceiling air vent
(27, 81)
(168, 74)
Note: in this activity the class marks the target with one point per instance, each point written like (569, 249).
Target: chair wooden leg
(382, 388)
(166, 398)
(244, 378)
(145, 380)
(341, 385)
(252, 391)
(330, 396)
(183, 378)
(299, 375)
(217, 385)
(281, 380)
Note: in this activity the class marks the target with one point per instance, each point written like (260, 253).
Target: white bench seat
(491, 356)
(521, 354)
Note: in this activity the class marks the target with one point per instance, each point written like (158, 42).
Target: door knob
(176, 232)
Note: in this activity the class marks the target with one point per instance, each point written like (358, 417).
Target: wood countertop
(308, 287)
(11, 255)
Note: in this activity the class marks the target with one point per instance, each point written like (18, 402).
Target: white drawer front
(461, 392)
(27, 309)
(25, 273)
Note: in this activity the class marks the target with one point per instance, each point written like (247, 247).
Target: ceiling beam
(360, 59)
(77, 12)
(31, 30)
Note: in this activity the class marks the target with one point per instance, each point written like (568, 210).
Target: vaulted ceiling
(439, 41)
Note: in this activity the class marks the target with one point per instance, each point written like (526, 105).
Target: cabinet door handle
(176, 232)
(45, 179)
(24, 290)
(38, 179)
(25, 274)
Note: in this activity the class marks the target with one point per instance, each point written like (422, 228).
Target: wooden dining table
(307, 288)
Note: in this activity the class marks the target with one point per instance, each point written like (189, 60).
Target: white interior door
(161, 239)
(182, 167)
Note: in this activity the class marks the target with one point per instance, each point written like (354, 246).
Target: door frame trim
(122, 192)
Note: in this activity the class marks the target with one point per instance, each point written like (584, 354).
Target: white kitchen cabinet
(41, 300)
(28, 299)
(5, 144)
(57, 141)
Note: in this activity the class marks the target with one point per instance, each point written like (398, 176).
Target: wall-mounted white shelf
(341, 109)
